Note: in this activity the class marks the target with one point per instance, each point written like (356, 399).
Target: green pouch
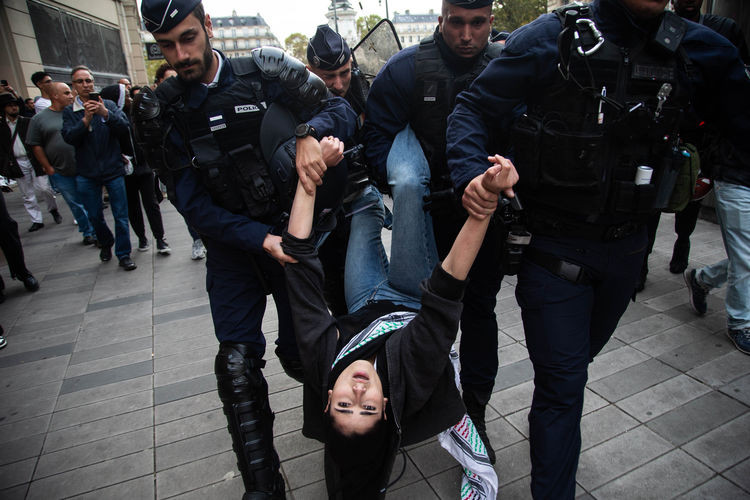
(685, 184)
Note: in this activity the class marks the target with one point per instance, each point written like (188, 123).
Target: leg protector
(244, 394)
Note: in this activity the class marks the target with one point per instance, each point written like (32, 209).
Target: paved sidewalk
(107, 388)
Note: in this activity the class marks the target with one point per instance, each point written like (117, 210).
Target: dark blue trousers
(566, 325)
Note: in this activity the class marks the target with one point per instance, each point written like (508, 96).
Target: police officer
(604, 88)
(407, 108)
(201, 130)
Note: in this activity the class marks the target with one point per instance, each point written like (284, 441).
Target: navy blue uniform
(236, 293)
(567, 323)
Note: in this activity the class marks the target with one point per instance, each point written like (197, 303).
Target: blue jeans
(67, 186)
(368, 275)
(733, 212)
(90, 191)
(415, 255)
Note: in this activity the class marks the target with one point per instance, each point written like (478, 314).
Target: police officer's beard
(203, 66)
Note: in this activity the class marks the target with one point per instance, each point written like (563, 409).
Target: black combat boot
(244, 394)
(476, 404)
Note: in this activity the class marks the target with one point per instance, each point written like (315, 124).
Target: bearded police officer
(202, 130)
(405, 137)
(605, 88)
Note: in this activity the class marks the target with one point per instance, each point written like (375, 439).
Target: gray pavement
(107, 388)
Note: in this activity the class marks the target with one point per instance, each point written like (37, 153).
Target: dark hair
(39, 76)
(161, 71)
(134, 89)
(79, 68)
(200, 13)
(359, 460)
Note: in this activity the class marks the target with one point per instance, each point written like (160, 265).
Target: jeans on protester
(90, 191)
(67, 186)
(733, 212)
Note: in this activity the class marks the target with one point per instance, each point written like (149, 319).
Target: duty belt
(596, 232)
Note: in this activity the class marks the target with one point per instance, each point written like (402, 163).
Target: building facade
(412, 28)
(237, 35)
(342, 18)
(56, 36)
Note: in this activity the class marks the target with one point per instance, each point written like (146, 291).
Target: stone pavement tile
(604, 462)
(717, 488)
(592, 401)
(684, 313)
(508, 319)
(185, 407)
(27, 356)
(663, 397)
(304, 470)
(314, 491)
(414, 491)
(93, 477)
(25, 428)
(520, 422)
(697, 417)
(184, 389)
(28, 403)
(447, 484)
(740, 475)
(513, 398)
(21, 448)
(103, 393)
(100, 336)
(141, 487)
(636, 311)
(98, 429)
(160, 319)
(517, 490)
(193, 448)
(669, 340)
(604, 424)
(712, 322)
(178, 343)
(512, 463)
(24, 342)
(669, 300)
(228, 487)
(60, 305)
(514, 331)
(197, 474)
(502, 433)
(506, 304)
(512, 353)
(168, 362)
(504, 340)
(182, 329)
(410, 473)
(514, 374)
(33, 374)
(16, 473)
(15, 493)
(106, 377)
(106, 363)
(724, 446)
(612, 362)
(131, 316)
(690, 356)
(187, 427)
(288, 421)
(87, 355)
(432, 459)
(176, 291)
(102, 409)
(182, 373)
(632, 380)
(284, 400)
(94, 452)
(186, 304)
(642, 328)
(656, 287)
(611, 345)
(120, 301)
(671, 474)
(739, 389)
(77, 275)
(722, 370)
(280, 382)
(294, 444)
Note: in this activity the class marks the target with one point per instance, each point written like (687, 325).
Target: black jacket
(6, 148)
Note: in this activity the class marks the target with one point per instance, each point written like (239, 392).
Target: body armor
(612, 110)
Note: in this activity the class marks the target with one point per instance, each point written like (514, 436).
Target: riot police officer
(201, 129)
(605, 88)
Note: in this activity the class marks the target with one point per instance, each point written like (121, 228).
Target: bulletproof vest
(434, 97)
(611, 110)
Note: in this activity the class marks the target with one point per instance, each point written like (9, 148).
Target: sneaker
(30, 283)
(697, 292)
(89, 240)
(143, 244)
(3, 342)
(56, 216)
(127, 264)
(36, 227)
(163, 247)
(741, 339)
(105, 254)
(199, 251)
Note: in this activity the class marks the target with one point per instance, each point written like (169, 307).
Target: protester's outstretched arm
(499, 178)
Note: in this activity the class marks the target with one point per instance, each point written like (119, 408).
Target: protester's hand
(481, 194)
(501, 177)
(332, 150)
(310, 164)
(272, 246)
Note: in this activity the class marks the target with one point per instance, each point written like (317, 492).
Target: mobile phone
(94, 96)
(4, 83)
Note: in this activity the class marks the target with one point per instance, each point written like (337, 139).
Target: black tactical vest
(612, 110)
(434, 98)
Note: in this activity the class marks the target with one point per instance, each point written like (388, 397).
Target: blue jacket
(98, 145)
(528, 66)
(193, 200)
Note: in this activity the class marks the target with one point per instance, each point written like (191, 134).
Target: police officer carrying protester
(407, 108)
(605, 88)
(201, 130)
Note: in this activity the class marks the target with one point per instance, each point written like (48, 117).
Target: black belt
(550, 226)
(562, 268)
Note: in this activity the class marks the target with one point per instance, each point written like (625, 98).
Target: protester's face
(11, 110)
(187, 49)
(687, 8)
(337, 80)
(62, 95)
(645, 9)
(356, 402)
(466, 31)
(83, 83)
(167, 74)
